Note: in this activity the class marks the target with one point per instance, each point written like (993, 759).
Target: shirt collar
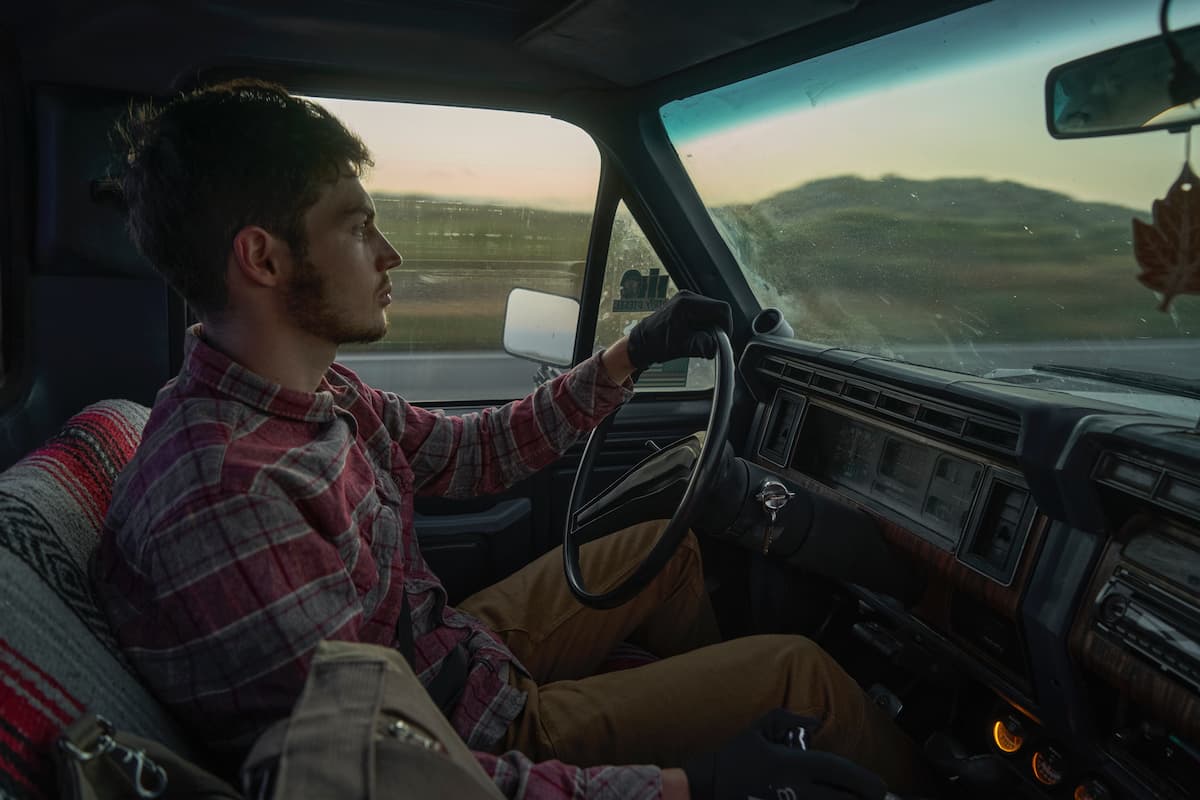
(205, 364)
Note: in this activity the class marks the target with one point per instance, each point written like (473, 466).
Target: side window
(478, 202)
(635, 284)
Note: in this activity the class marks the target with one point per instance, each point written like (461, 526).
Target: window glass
(903, 197)
(635, 284)
(477, 202)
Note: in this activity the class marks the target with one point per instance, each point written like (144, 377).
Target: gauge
(1048, 766)
(1007, 736)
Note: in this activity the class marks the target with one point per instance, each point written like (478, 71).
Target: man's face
(340, 291)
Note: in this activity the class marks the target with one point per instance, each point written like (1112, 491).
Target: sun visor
(80, 225)
(632, 42)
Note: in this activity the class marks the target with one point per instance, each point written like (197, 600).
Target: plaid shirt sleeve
(223, 628)
(488, 451)
(520, 779)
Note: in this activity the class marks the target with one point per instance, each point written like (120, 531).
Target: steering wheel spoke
(652, 489)
(669, 484)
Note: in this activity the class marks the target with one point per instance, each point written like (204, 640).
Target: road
(495, 375)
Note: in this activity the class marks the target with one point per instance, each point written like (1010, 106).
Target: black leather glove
(769, 761)
(682, 328)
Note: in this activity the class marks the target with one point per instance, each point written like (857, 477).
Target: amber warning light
(1008, 738)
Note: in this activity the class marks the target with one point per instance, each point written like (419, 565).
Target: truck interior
(954, 437)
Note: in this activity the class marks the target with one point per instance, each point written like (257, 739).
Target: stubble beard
(309, 306)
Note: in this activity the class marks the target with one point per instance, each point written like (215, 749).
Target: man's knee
(813, 677)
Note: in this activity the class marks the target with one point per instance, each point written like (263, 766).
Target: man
(270, 504)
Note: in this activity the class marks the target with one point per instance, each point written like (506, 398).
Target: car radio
(1152, 622)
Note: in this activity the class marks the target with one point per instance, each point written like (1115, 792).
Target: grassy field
(854, 261)
(461, 260)
(851, 261)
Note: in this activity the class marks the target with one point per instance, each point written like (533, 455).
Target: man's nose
(389, 258)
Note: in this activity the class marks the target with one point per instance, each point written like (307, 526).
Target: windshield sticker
(1168, 250)
(640, 292)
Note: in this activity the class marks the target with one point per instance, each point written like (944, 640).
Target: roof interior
(396, 48)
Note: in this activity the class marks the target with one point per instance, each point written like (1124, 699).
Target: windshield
(902, 197)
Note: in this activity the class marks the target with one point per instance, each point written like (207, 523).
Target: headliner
(473, 49)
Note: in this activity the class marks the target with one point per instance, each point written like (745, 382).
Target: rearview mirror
(541, 327)
(1129, 89)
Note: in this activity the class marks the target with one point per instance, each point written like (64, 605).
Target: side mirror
(541, 327)
(1142, 86)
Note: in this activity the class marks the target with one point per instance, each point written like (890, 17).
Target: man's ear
(259, 256)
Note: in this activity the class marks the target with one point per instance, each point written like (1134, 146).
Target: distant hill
(955, 259)
(949, 198)
(845, 228)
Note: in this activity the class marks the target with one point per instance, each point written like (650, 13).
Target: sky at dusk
(504, 156)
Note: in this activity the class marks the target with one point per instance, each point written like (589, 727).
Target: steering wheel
(648, 491)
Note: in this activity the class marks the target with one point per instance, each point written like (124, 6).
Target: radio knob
(1113, 608)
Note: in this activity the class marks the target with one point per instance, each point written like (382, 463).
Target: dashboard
(1059, 540)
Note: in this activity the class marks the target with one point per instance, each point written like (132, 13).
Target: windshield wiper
(1126, 377)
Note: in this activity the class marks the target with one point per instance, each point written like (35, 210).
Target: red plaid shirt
(255, 521)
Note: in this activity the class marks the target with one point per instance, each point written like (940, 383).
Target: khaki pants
(701, 694)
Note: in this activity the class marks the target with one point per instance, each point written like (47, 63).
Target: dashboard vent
(942, 420)
(1160, 485)
(899, 406)
(827, 383)
(772, 367)
(990, 433)
(1136, 477)
(797, 374)
(863, 395)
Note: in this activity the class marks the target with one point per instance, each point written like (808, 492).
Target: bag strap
(451, 681)
(329, 748)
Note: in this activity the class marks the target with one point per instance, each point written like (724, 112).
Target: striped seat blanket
(58, 657)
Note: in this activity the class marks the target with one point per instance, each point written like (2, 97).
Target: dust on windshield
(903, 197)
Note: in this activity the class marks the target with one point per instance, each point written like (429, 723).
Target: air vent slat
(772, 366)
(897, 406)
(797, 374)
(995, 435)
(942, 420)
(1128, 474)
(864, 395)
(827, 383)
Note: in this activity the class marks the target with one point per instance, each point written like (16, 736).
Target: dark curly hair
(209, 163)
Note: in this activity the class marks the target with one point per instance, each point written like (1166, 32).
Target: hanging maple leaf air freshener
(1169, 249)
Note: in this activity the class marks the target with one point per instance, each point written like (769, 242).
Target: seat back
(58, 656)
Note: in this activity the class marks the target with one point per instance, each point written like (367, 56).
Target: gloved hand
(682, 328)
(768, 761)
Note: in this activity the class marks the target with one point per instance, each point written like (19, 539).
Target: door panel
(471, 544)
(470, 550)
